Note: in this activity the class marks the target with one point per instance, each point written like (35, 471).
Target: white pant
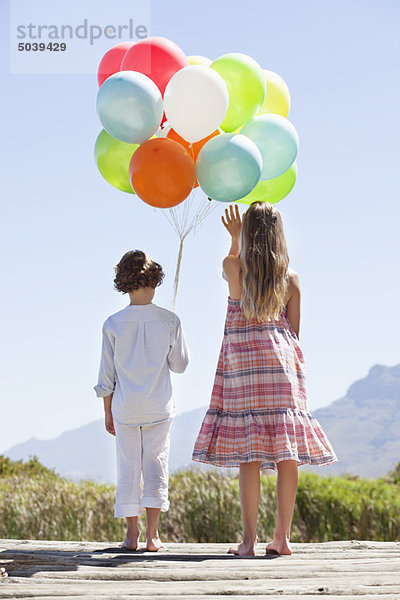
(142, 450)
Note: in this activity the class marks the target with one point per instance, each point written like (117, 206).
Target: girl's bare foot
(131, 541)
(248, 549)
(153, 543)
(281, 546)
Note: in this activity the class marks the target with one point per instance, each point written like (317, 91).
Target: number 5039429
(41, 47)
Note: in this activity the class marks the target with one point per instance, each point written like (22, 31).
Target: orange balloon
(194, 148)
(162, 172)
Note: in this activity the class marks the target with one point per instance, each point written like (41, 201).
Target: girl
(258, 416)
(141, 345)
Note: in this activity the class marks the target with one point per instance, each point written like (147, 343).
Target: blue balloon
(130, 106)
(228, 167)
(277, 140)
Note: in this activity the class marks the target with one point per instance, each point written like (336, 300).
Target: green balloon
(272, 190)
(246, 85)
(113, 158)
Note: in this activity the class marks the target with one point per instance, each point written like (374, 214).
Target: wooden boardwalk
(65, 570)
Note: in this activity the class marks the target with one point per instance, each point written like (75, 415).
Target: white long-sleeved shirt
(141, 344)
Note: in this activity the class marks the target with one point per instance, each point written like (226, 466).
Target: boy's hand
(232, 221)
(109, 423)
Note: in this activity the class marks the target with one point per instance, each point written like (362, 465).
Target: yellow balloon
(277, 97)
(199, 60)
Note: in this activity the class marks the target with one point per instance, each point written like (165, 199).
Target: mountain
(84, 453)
(363, 427)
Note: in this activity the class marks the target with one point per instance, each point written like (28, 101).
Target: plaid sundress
(258, 409)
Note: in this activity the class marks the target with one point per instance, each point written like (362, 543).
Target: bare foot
(153, 544)
(281, 546)
(248, 549)
(131, 541)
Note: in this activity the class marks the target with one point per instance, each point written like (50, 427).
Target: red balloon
(111, 61)
(156, 57)
(162, 172)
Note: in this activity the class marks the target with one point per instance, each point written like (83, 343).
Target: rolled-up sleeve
(178, 355)
(106, 382)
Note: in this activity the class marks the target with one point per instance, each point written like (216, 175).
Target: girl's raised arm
(233, 224)
(231, 266)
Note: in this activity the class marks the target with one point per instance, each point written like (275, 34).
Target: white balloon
(195, 102)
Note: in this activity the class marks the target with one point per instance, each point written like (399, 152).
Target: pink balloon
(111, 61)
(156, 57)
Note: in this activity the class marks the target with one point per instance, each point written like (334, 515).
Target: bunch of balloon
(254, 158)
(174, 123)
(138, 151)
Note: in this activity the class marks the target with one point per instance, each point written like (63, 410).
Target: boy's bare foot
(131, 541)
(153, 543)
(281, 546)
(248, 549)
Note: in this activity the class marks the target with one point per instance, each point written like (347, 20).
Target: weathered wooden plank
(210, 574)
(277, 568)
(93, 574)
(214, 568)
(133, 596)
(147, 557)
(311, 553)
(182, 588)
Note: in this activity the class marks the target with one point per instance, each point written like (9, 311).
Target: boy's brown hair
(136, 270)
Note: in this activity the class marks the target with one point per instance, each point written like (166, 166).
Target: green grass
(36, 503)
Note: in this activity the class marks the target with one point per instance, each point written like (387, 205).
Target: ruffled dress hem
(229, 438)
(265, 463)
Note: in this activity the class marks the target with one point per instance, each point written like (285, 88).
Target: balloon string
(178, 268)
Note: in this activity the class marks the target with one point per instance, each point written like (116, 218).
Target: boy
(141, 345)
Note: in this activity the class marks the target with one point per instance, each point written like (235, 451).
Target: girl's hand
(109, 423)
(232, 221)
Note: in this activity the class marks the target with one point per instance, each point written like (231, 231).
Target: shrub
(36, 503)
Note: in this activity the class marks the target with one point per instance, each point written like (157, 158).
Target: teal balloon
(277, 140)
(228, 167)
(130, 106)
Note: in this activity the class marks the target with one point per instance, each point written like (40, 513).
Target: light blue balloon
(277, 140)
(130, 106)
(228, 167)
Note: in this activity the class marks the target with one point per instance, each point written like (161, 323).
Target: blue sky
(64, 227)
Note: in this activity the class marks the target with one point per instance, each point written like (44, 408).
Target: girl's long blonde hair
(265, 261)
